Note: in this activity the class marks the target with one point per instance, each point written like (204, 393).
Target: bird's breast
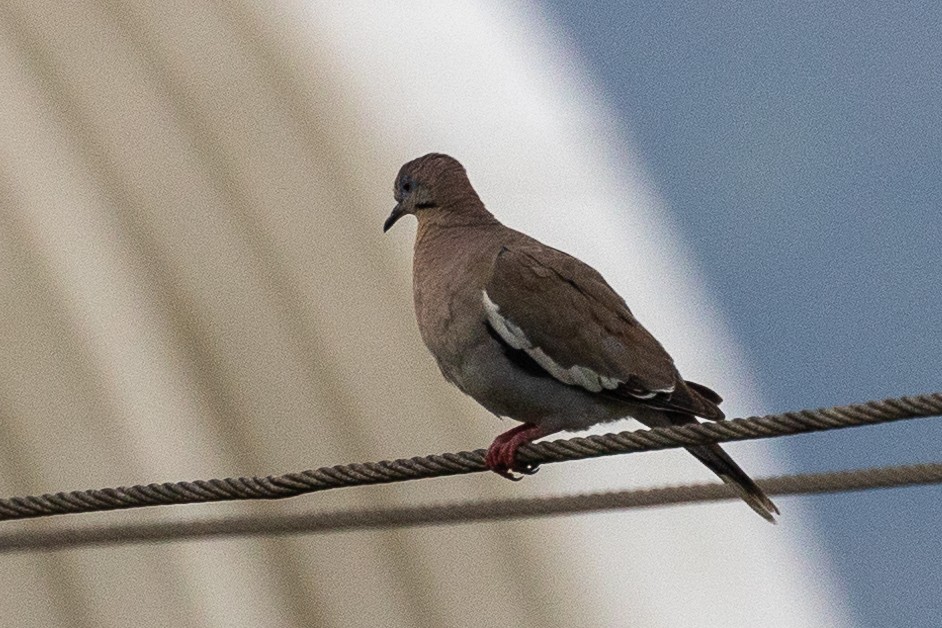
(447, 283)
(446, 311)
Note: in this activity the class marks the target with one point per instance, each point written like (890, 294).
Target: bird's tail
(719, 462)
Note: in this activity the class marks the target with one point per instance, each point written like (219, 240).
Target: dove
(534, 334)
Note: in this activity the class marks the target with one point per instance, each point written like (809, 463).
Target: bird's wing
(563, 315)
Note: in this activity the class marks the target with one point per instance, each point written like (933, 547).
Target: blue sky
(798, 147)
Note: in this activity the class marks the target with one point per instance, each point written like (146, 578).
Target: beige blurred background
(194, 284)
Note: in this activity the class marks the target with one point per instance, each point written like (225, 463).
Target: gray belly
(485, 373)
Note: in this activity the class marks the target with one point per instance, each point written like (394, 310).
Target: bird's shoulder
(524, 265)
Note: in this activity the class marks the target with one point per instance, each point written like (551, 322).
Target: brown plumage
(535, 334)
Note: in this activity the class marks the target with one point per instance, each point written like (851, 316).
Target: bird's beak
(397, 213)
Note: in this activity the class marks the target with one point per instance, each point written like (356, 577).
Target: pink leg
(501, 455)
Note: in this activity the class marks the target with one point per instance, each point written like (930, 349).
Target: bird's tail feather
(721, 464)
(707, 393)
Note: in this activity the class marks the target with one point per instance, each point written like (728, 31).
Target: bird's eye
(407, 186)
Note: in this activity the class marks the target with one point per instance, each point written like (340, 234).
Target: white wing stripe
(514, 336)
(511, 334)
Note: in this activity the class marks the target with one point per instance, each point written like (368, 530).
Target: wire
(324, 478)
(237, 526)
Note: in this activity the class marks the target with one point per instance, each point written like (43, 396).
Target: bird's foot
(501, 456)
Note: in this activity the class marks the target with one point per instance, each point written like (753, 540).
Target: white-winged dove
(534, 334)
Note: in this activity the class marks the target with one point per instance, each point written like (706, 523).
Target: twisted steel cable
(324, 478)
(238, 526)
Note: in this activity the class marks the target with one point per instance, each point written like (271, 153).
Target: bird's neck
(443, 236)
(471, 213)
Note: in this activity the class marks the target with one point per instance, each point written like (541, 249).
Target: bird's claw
(506, 473)
(509, 472)
(501, 456)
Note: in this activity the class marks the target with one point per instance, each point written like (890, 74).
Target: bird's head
(432, 184)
